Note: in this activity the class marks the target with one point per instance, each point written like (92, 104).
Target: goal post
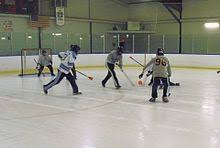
(28, 57)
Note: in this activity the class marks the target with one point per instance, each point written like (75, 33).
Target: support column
(171, 9)
(39, 37)
(90, 28)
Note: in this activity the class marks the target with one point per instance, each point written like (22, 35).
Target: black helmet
(121, 46)
(120, 50)
(44, 52)
(75, 48)
(160, 51)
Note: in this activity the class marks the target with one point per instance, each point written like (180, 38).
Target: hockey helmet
(160, 51)
(75, 48)
(44, 52)
(121, 47)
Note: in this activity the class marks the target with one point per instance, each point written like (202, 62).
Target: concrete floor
(110, 118)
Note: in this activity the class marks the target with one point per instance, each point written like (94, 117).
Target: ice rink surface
(110, 118)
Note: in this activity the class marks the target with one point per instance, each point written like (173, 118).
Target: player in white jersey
(161, 72)
(67, 63)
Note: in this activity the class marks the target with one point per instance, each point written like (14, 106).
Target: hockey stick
(90, 78)
(149, 71)
(136, 61)
(36, 61)
(37, 67)
(126, 76)
(169, 91)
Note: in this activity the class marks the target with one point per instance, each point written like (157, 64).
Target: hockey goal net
(29, 58)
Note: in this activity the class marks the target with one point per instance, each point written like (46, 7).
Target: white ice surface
(110, 118)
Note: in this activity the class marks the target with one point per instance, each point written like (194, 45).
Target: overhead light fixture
(3, 38)
(56, 34)
(30, 37)
(211, 25)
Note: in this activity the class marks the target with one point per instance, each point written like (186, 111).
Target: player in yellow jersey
(161, 72)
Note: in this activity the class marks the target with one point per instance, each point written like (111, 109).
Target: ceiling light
(3, 38)
(57, 34)
(211, 25)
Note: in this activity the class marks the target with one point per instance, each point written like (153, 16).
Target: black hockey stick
(90, 78)
(169, 91)
(36, 61)
(149, 71)
(137, 61)
(38, 64)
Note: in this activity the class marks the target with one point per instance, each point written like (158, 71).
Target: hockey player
(113, 57)
(44, 60)
(150, 72)
(161, 72)
(67, 62)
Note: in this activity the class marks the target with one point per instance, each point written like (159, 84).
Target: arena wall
(97, 60)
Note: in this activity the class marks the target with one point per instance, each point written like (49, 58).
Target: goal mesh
(29, 57)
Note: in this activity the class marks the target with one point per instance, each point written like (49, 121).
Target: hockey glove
(38, 66)
(120, 66)
(149, 73)
(141, 75)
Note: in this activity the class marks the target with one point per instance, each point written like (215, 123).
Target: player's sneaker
(77, 93)
(45, 91)
(103, 84)
(165, 99)
(117, 86)
(152, 100)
